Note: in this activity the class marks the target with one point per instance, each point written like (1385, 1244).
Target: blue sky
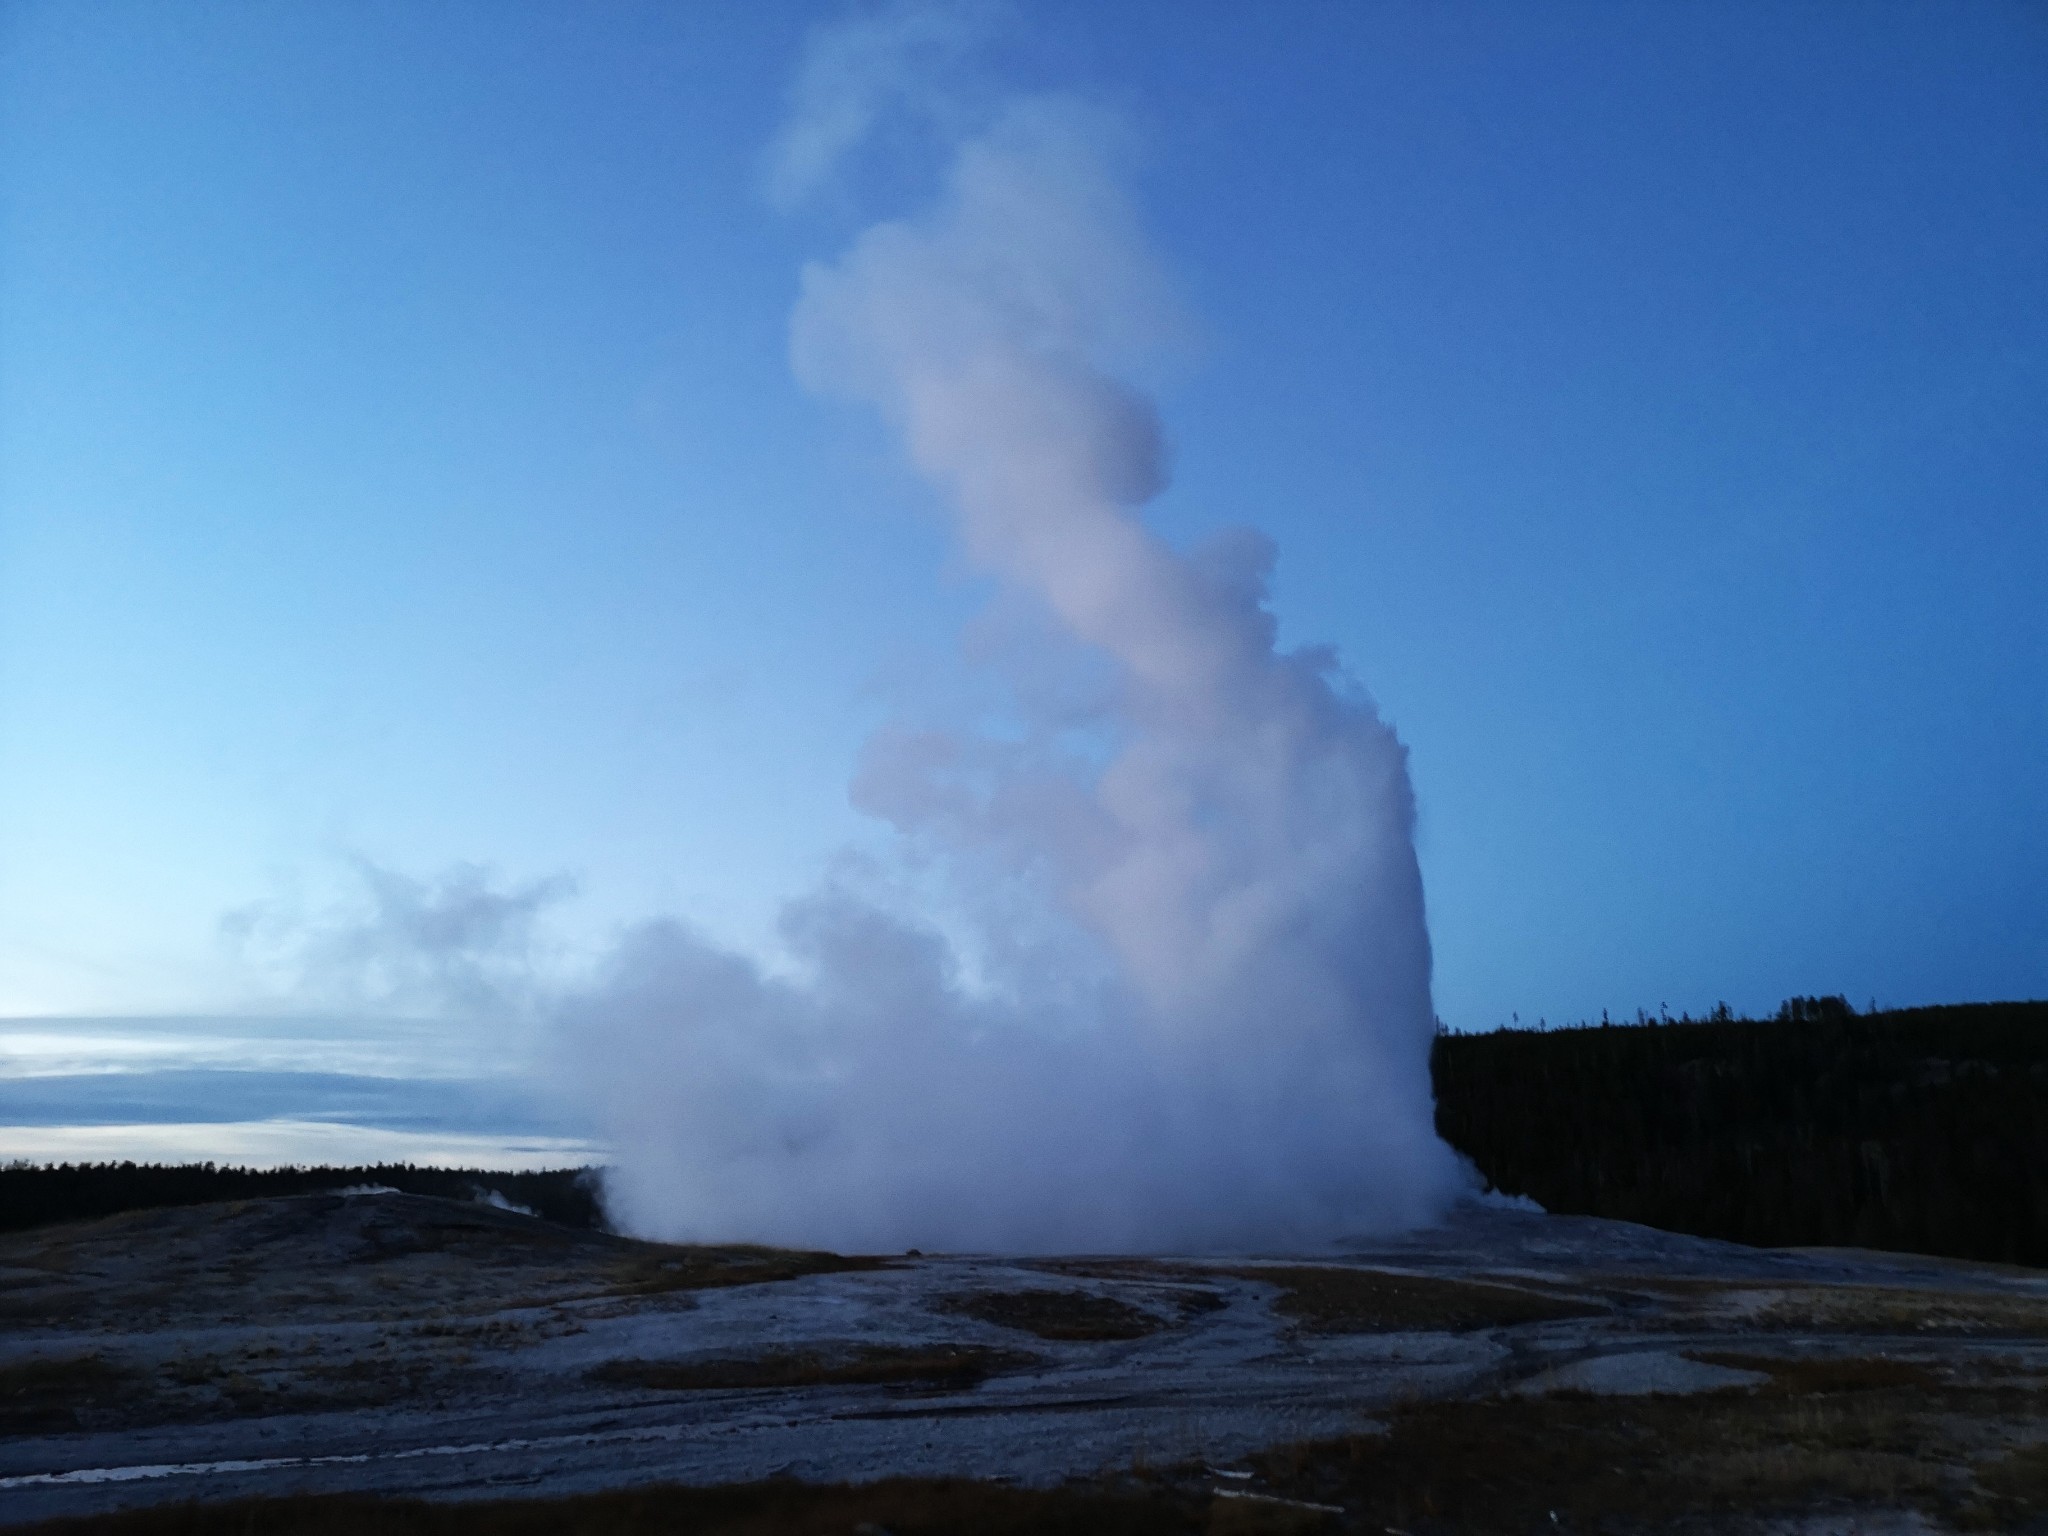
(399, 460)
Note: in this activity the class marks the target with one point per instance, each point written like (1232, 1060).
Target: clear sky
(400, 460)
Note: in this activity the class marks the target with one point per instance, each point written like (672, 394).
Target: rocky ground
(1507, 1371)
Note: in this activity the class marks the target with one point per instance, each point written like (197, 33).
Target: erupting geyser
(1191, 1009)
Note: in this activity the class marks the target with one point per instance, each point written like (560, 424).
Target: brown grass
(1258, 1516)
(1820, 1375)
(704, 1268)
(1884, 1309)
(948, 1366)
(1652, 1464)
(1120, 1269)
(195, 1388)
(46, 1395)
(1061, 1315)
(903, 1506)
(1347, 1299)
(2018, 1479)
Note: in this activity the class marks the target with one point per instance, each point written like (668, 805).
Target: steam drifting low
(1177, 995)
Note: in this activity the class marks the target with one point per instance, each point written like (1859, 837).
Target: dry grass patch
(1883, 1309)
(1348, 1299)
(51, 1394)
(902, 1506)
(1820, 1375)
(1059, 1315)
(191, 1387)
(1120, 1269)
(664, 1269)
(949, 1367)
(2018, 1479)
(1257, 1517)
(1679, 1463)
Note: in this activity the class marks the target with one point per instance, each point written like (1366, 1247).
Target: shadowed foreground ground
(481, 1371)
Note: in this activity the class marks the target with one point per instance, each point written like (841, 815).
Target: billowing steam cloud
(1182, 998)
(454, 946)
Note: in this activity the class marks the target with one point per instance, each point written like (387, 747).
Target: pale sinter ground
(398, 1344)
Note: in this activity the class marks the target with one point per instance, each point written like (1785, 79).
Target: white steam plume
(856, 72)
(1195, 1010)
(454, 946)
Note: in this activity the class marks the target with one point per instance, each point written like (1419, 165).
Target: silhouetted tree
(1922, 1129)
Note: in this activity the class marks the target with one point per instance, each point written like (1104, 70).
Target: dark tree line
(1923, 1130)
(32, 1195)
